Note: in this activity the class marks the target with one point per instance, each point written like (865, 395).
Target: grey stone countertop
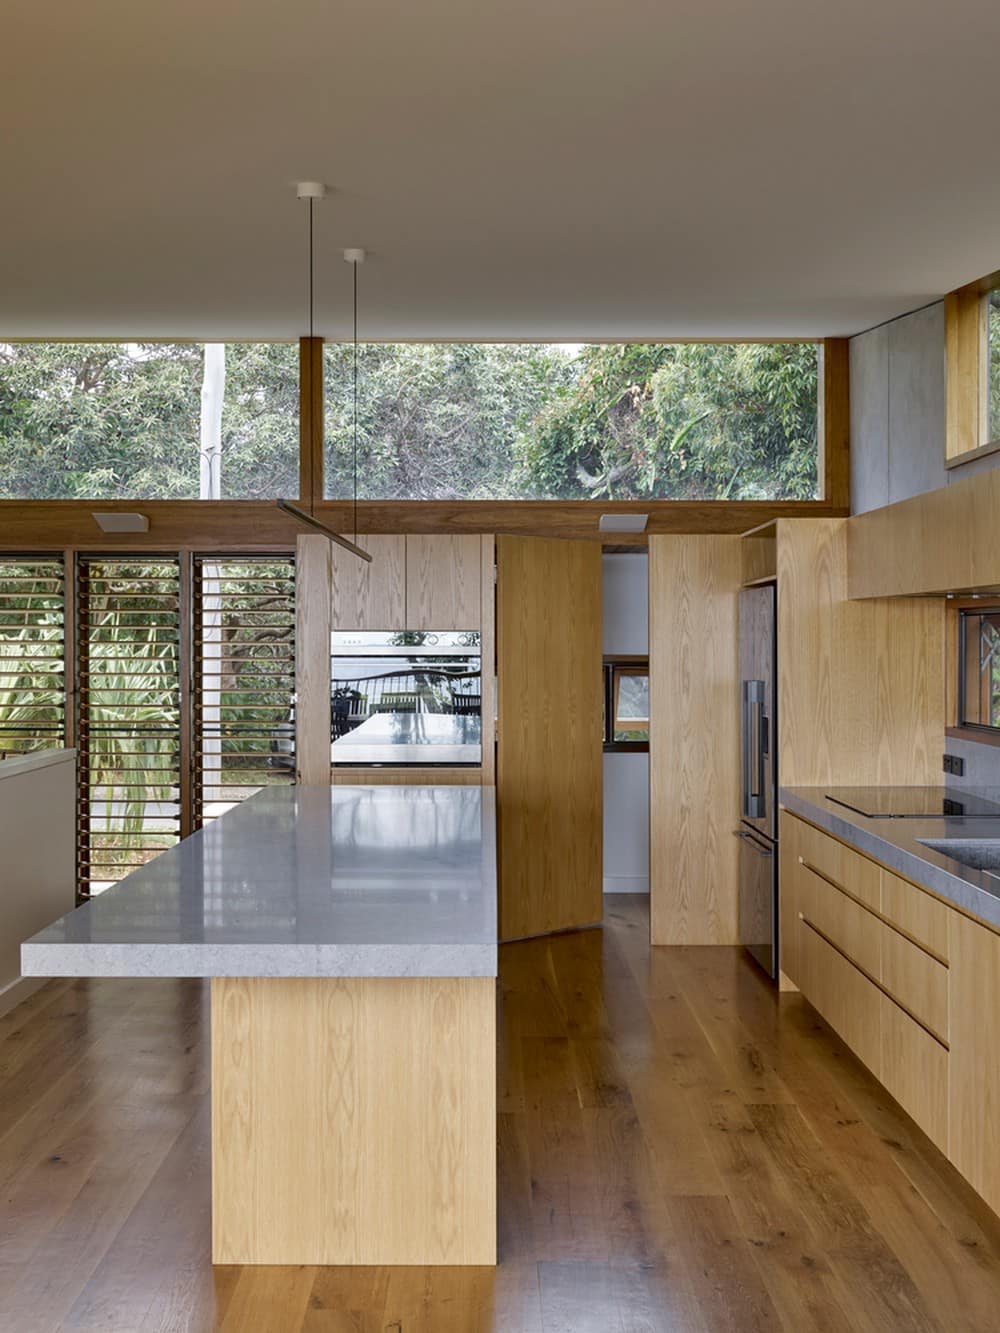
(895, 842)
(301, 881)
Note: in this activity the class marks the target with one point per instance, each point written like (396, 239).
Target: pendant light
(311, 191)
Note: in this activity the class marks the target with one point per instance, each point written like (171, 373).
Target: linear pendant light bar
(329, 533)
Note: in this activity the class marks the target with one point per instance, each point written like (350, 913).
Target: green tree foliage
(695, 421)
(121, 420)
(993, 334)
(434, 421)
(437, 421)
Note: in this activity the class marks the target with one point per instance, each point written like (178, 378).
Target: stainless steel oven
(406, 698)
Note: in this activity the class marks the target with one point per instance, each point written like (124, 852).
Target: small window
(626, 711)
(979, 674)
(993, 366)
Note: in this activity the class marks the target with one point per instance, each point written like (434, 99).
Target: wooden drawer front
(790, 874)
(846, 923)
(845, 867)
(918, 981)
(916, 913)
(915, 1071)
(843, 995)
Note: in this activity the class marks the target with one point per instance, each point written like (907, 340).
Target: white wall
(626, 603)
(37, 857)
(626, 776)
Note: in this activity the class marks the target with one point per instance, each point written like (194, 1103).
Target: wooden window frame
(616, 666)
(955, 727)
(967, 434)
(258, 526)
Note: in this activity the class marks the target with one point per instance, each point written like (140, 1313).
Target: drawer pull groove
(874, 980)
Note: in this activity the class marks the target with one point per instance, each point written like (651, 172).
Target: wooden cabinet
(370, 597)
(789, 874)
(416, 582)
(840, 864)
(909, 982)
(914, 1066)
(870, 952)
(841, 919)
(443, 582)
(916, 913)
(849, 1002)
(915, 980)
(974, 1070)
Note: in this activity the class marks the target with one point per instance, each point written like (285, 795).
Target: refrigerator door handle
(755, 842)
(753, 749)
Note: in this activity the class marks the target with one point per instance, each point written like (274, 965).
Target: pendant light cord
(355, 267)
(312, 285)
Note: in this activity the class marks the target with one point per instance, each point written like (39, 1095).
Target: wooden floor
(677, 1152)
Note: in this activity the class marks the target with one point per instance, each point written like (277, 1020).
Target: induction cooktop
(913, 803)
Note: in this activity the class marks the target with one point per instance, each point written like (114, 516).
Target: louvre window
(244, 679)
(32, 654)
(157, 759)
(129, 714)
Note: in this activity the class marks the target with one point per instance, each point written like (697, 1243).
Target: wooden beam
(835, 422)
(312, 660)
(311, 421)
(259, 525)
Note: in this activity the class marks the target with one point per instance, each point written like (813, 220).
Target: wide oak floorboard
(679, 1151)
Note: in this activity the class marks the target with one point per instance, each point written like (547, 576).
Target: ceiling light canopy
(118, 521)
(623, 523)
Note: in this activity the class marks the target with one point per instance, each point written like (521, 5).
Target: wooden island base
(353, 1120)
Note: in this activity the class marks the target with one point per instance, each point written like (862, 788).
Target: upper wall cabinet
(413, 583)
(443, 582)
(947, 540)
(369, 597)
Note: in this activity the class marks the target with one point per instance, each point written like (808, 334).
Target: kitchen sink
(979, 853)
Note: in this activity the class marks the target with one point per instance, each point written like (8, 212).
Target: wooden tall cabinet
(414, 582)
(550, 753)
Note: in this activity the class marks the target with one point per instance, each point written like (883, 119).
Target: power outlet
(954, 765)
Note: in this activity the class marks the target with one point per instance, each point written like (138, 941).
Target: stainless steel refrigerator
(758, 830)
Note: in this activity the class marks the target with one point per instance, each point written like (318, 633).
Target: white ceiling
(557, 169)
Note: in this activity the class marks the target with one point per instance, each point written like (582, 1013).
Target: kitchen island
(350, 937)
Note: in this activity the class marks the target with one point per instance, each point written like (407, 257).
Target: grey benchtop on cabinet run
(895, 843)
(301, 882)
